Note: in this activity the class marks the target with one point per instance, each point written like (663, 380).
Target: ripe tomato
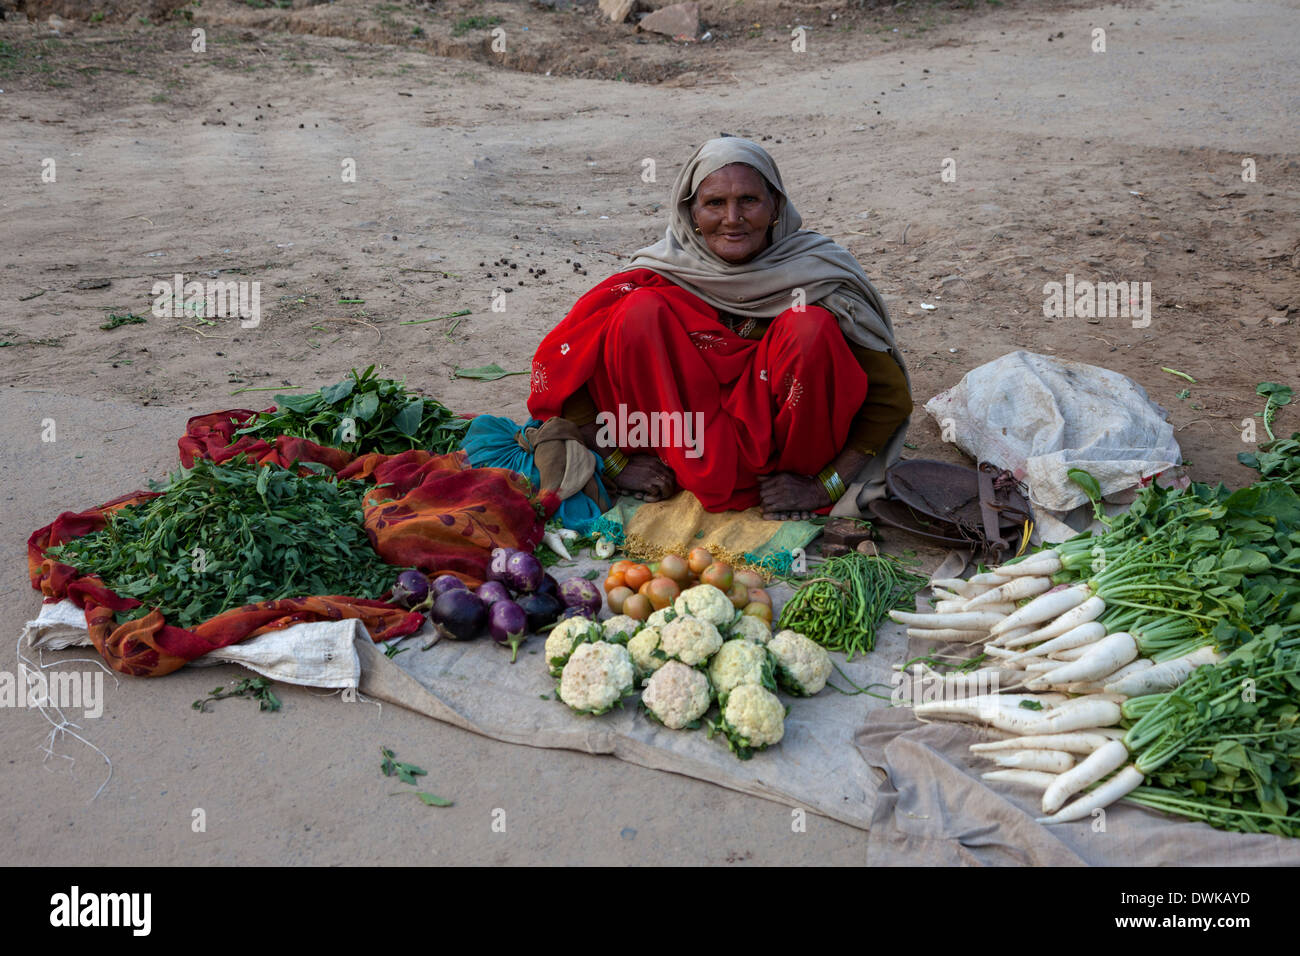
(720, 575)
(674, 566)
(617, 598)
(758, 595)
(637, 607)
(698, 560)
(620, 567)
(662, 592)
(614, 581)
(750, 579)
(636, 576)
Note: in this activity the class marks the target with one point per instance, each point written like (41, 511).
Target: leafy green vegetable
(363, 414)
(486, 373)
(117, 320)
(258, 688)
(430, 800)
(1277, 396)
(406, 772)
(222, 536)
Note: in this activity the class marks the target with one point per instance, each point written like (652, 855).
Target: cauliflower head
(597, 676)
(660, 617)
(706, 603)
(753, 719)
(691, 640)
(642, 647)
(564, 637)
(677, 695)
(752, 629)
(738, 662)
(620, 624)
(802, 666)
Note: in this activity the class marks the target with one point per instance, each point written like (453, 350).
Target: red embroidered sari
(783, 403)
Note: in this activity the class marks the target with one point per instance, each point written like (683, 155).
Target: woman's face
(732, 209)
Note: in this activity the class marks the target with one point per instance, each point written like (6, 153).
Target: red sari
(783, 403)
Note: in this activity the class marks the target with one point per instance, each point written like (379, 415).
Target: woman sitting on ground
(770, 336)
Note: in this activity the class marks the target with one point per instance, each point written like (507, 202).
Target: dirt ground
(1118, 165)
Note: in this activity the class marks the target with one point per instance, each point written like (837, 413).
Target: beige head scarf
(765, 286)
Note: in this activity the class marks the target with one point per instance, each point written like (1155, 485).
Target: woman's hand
(787, 497)
(646, 477)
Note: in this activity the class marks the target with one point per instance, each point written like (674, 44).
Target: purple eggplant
(497, 570)
(579, 592)
(508, 624)
(569, 612)
(523, 572)
(542, 609)
(410, 589)
(549, 586)
(490, 592)
(460, 614)
(444, 583)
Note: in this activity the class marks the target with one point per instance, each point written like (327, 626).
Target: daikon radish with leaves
(1042, 564)
(1084, 713)
(1082, 742)
(1047, 761)
(1025, 778)
(1162, 678)
(1017, 589)
(962, 621)
(1102, 762)
(1048, 606)
(1118, 786)
(1104, 657)
(947, 634)
(1080, 636)
(1089, 610)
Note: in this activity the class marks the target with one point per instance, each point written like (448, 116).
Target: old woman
(742, 358)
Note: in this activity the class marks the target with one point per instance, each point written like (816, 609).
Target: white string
(61, 727)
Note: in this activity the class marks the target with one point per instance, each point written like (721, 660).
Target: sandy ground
(1123, 165)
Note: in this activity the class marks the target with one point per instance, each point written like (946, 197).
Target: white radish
(1026, 778)
(947, 634)
(1163, 677)
(1048, 606)
(1014, 590)
(964, 621)
(1040, 667)
(1042, 564)
(1104, 657)
(1070, 654)
(953, 607)
(1123, 783)
(1136, 667)
(953, 585)
(1048, 761)
(942, 595)
(947, 607)
(1085, 713)
(1082, 742)
(985, 705)
(1079, 636)
(988, 578)
(1102, 762)
(1089, 610)
(1002, 638)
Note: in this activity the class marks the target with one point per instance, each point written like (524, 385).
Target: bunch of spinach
(363, 414)
(222, 536)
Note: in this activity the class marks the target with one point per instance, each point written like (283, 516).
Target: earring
(776, 220)
(698, 232)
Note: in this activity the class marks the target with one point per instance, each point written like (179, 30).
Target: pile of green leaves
(222, 536)
(1225, 746)
(841, 607)
(1277, 460)
(1201, 565)
(363, 414)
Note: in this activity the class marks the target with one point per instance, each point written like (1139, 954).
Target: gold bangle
(833, 483)
(614, 462)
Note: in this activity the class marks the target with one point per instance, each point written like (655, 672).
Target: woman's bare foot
(647, 478)
(787, 497)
